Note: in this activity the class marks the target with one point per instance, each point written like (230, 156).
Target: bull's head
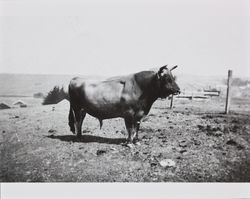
(168, 85)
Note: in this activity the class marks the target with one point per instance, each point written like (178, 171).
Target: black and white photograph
(125, 91)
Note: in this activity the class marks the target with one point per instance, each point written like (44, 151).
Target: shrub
(238, 82)
(56, 95)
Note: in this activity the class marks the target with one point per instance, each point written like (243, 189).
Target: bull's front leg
(130, 126)
(137, 127)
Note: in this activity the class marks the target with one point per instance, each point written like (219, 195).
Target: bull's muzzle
(177, 92)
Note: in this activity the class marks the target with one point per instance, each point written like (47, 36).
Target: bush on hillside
(238, 82)
(56, 95)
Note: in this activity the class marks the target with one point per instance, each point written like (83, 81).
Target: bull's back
(101, 94)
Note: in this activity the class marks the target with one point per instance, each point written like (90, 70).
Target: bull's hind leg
(79, 115)
(82, 116)
(137, 127)
(131, 132)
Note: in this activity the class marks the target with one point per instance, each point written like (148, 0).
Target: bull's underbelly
(108, 111)
(105, 112)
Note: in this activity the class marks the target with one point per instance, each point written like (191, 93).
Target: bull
(129, 97)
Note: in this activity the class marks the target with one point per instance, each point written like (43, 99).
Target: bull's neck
(147, 81)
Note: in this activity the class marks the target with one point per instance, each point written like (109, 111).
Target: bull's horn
(161, 69)
(173, 68)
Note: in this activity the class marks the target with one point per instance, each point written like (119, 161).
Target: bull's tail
(66, 94)
(71, 120)
(101, 123)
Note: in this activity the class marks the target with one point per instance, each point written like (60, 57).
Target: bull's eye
(169, 80)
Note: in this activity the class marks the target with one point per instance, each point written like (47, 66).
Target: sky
(119, 37)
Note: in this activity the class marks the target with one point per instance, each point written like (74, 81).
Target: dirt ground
(205, 145)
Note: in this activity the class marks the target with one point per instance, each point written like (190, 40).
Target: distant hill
(28, 85)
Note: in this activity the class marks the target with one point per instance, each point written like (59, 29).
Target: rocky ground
(193, 142)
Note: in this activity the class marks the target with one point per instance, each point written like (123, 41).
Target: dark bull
(129, 97)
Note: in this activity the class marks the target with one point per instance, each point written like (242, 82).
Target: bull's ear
(161, 70)
(173, 68)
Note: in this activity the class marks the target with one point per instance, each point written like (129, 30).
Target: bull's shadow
(88, 138)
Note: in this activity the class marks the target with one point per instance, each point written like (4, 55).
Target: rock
(197, 142)
(153, 164)
(201, 127)
(231, 142)
(209, 127)
(4, 106)
(23, 105)
(183, 144)
(160, 155)
(161, 136)
(226, 130)
(52, 131)
(167, 163)
(240, 147)
(28, 172)
(234, 143)
(164, 140)
(183, 151)
(218, 133)
(3, 131)
(112, 149)
(100, 152)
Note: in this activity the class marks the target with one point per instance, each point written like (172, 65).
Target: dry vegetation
(206, 145)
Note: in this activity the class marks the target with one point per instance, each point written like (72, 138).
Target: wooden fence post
(229, 82)
(172, 101)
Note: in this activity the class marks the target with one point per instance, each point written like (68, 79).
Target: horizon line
(64, 74)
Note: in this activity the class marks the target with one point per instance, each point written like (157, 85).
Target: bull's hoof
(130, 145)
(72, 130)
(136, 141)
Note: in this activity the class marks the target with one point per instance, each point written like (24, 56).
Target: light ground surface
(207, 146)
